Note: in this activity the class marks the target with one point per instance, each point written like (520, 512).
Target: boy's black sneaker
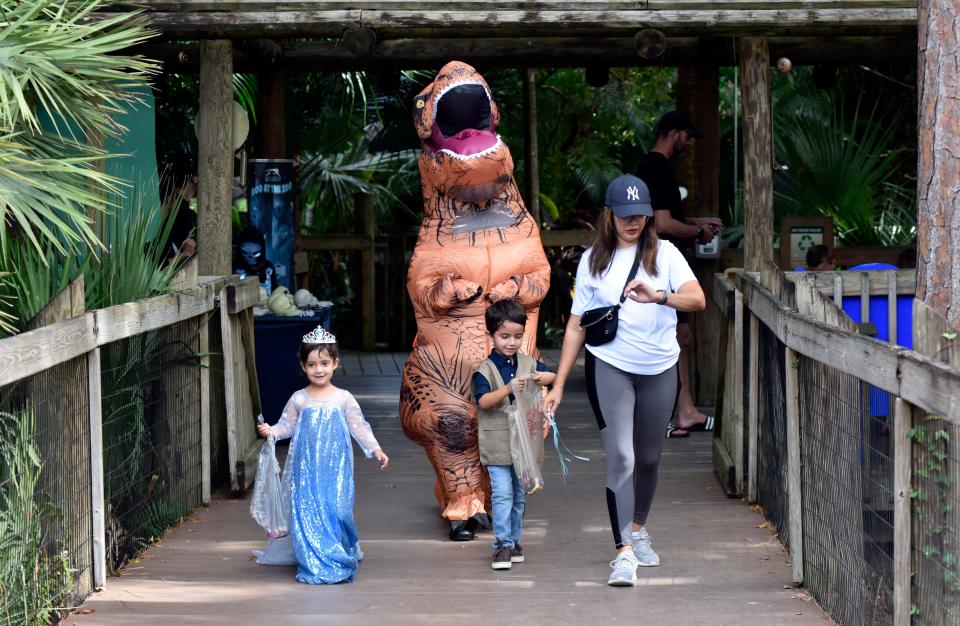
(516, 554)
(501, 558)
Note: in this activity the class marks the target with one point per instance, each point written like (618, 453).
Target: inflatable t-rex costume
(477, 244)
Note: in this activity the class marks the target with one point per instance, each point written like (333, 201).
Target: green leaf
(950, 336)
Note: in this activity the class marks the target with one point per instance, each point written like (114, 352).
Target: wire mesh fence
(936, 521)
(45, 495)
(772, 434)
(847, 476)
(151, 435)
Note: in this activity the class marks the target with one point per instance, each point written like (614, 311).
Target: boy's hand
(520, 384)
(264, 430)
(542, 378)
(382, 457)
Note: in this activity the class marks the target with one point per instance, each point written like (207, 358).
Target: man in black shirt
(675, 132)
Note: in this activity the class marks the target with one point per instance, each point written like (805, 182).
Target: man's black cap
(677, 120)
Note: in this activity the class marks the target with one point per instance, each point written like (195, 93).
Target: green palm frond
(56, 58)
(51, 191)
(845, 170)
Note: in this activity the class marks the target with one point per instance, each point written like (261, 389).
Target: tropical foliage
(63, 84)
(843, 165)
(34, 580)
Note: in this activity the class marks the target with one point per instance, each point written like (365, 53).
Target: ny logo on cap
(633, 193)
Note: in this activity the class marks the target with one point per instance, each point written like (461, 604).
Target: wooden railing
(178, 393)
(859, 468)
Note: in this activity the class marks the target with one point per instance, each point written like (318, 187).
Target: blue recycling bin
(879, 316)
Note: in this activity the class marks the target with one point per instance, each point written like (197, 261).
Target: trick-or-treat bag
(526, 436)
(267, 506)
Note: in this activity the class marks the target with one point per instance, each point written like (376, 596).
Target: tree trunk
(938, 167)
(215, 167)
(757, 152)
(532, 165)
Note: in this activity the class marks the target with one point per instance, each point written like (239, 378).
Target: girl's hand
(639, 291)
(551, 401)
(264, 430)
(383, 459)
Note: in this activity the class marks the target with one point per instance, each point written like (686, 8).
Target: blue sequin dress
(318, 479)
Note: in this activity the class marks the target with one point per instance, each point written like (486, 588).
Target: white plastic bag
(526, 436)
(268, 507)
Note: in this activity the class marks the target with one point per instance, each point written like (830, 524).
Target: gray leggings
(632, 412)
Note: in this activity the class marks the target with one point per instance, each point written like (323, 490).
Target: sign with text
(798, 235)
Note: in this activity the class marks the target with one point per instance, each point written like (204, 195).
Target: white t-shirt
(646, 340)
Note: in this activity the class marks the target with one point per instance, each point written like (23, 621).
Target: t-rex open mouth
(462, 121)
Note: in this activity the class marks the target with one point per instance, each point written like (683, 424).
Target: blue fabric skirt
(322, 496)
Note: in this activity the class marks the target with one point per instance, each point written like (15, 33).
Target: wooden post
(215, 167)
(938, 163)
(754, 409)
(738, 389)
(892, 308)
(368, 278)
(205, 399)
(532, 169)
(96, 471)
(272, 135)
(757, 151)
(902, 462)
(794, 479)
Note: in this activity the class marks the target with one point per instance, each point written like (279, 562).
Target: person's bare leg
(687, 413)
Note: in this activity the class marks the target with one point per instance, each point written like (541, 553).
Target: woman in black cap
(631, 372)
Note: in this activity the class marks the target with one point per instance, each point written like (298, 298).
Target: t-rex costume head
(477, 244)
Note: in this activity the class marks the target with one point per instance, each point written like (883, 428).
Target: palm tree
(62, 87)
(64, 82)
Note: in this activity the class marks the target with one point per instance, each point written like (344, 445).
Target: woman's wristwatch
(663, 296)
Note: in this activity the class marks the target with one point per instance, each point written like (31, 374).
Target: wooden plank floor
(717, 567)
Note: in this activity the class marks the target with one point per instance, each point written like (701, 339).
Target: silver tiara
(319, 335)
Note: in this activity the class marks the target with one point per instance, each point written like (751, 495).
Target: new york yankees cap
(628, 195)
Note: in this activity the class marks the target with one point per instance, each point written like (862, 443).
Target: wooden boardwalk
(719, 565)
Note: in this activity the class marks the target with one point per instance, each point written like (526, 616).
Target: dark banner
(271, 212)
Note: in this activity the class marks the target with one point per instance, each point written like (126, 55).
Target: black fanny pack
(600, 325)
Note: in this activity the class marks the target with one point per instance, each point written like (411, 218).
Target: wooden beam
(271, 122)
(97, 491)
(215, 168)
(794, 476)
(368, 271)
(753, 410)
(529, 5)
(532, 165)
(902, 470)
(453, 21)
(920, 380)
(757, 151)
(737, 375)
(510, 52)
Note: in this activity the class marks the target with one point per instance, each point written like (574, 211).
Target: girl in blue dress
(318, 473)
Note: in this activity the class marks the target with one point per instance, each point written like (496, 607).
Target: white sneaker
(624, 570)
(643, 548)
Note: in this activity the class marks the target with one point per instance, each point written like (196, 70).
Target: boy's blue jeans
(508, 503)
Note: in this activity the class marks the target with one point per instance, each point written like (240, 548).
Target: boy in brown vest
(492, 387)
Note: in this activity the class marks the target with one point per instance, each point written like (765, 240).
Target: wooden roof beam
(447, 22)
(524, 52)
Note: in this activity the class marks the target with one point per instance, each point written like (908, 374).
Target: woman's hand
(639, 291)
(551, 401)
(382, 458)
(264, 430)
